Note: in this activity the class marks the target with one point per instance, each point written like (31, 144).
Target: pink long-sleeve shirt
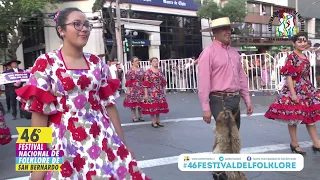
(220, 69)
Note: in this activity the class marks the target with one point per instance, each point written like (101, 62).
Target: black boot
(219, 176)
(21, 115)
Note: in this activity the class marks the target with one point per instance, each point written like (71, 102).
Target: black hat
(9, 63)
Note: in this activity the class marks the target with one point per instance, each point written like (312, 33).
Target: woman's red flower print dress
(134, 80)
(307, 111)
(156, 103)
(5, 134)
(75, 102)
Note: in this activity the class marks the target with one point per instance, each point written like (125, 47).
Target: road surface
(185, 132)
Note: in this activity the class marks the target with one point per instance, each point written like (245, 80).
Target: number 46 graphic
(34, 135)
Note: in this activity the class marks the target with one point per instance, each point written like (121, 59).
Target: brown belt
(230, 94)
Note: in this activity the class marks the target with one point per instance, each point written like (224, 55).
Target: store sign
(70, 0)
(278, 48)
(262, 40)
(249, 48)
(141, 42)
(179, 4)
(134, 42)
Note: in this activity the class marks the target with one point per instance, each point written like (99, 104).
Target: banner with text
(7, 78)
(241, 162)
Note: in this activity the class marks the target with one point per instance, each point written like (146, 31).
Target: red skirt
(5, 135)
(153, 108)
(307, 110)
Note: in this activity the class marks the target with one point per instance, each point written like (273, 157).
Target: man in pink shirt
(222, 80)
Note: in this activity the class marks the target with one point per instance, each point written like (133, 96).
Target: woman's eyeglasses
(79, 26)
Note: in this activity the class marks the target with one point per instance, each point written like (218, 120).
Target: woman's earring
(62, 34)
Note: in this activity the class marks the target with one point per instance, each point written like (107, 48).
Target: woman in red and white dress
(155, 101)
(135, 90)
(298, 101)
(5, 135)
(72, 92)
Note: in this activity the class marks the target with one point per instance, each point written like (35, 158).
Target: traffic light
(127, 49)
(123, 33)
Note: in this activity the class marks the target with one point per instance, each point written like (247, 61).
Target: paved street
(185, 132)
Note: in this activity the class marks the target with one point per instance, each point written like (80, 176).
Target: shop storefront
(180, 35)
(177, 34)
(34, 45)
(262, 44)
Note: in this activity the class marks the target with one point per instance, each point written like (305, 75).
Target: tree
(109, 23)
(234, 9)
(209, 9)
(12, 15)
(2, 55)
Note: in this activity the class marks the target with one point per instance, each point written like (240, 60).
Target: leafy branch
(234, 9)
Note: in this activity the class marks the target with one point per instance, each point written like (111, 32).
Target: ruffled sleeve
(35, 96)
(289, 69)
(147, 79)
(108, 91)
(129, 79)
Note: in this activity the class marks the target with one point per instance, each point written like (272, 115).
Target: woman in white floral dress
(71, 92)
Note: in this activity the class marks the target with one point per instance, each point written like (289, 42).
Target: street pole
(131, 48)
(118, 33)
(297, 18)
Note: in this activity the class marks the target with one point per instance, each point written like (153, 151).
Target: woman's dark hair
(153, 59)
(61, 18)
(316, 45)
(132, 59)
(298, 35)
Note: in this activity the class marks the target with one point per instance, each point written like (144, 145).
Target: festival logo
(186, 158)
(287, 26)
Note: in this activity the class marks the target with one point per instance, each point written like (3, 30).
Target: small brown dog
(227, 141)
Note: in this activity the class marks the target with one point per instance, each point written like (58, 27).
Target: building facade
(165, 29)
(45, 39)
(260, 27)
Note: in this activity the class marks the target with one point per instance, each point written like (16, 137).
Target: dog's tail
(236, 175)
